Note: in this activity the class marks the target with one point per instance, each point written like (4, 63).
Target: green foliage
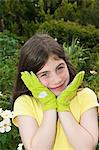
(23, 16)
(66, 11)
(88, 13)
(81, 56)
(20, 16)
(10, 140)
(9, 47)
(8, 56)
(66, 31)
(5, 102)
(82, 59)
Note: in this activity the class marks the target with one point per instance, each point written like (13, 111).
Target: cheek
(65, 76)
(44, 82)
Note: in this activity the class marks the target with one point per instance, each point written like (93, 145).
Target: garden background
(73, 23)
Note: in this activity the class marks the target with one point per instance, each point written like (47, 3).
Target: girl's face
(54, 75)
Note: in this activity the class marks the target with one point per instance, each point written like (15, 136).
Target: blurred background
(73, 23)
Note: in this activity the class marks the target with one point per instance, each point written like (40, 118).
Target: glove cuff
(63, 106)
(50, 106)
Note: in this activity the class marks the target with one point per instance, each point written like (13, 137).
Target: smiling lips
(58, 87)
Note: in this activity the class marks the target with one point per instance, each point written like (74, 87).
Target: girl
(49, 114)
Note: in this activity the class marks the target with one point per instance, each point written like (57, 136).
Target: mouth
(58, 87)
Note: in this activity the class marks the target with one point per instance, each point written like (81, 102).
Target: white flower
(55, 39)
(35, 5)
(7, 121)
(5, 125)
(93, 72)
(43, 94)
(6, 114)
(78, 42)
(2, 123)
(5, 129)
(1, 93)
(20, 146)
(8, 128)
(2, 129)
(0, 110)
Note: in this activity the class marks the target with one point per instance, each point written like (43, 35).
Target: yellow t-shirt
(27, 105)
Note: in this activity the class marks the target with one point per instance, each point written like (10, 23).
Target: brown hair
(33, 56)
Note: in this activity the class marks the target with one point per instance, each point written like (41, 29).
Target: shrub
(9, 52)
(81, 54)
(66, 31)
(9, 47)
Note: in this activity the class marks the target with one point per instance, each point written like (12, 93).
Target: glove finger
(36, 82)
(72, 88)
(77, 80)
(26, 77)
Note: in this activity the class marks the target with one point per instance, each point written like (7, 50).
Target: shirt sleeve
(87, 100)
(23, 106)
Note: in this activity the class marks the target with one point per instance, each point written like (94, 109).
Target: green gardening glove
(64, 99)
(43, 94)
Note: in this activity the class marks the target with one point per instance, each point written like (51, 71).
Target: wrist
(50, 114)
(66, 114)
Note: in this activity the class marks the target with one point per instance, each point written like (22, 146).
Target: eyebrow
(49, 71)
(60, 65)
(42, 72)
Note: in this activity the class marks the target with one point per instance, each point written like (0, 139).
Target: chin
(57, 93)
(59, 90)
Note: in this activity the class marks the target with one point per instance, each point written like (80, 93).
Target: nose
(55, 79)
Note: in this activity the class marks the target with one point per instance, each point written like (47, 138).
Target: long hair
(34, 55)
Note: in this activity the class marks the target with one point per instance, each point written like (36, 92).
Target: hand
(63, 100)
(43, 94)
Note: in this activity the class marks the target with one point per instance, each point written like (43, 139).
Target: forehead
(52, 63)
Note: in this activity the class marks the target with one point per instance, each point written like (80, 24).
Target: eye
(45, 75)
(61, 67)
